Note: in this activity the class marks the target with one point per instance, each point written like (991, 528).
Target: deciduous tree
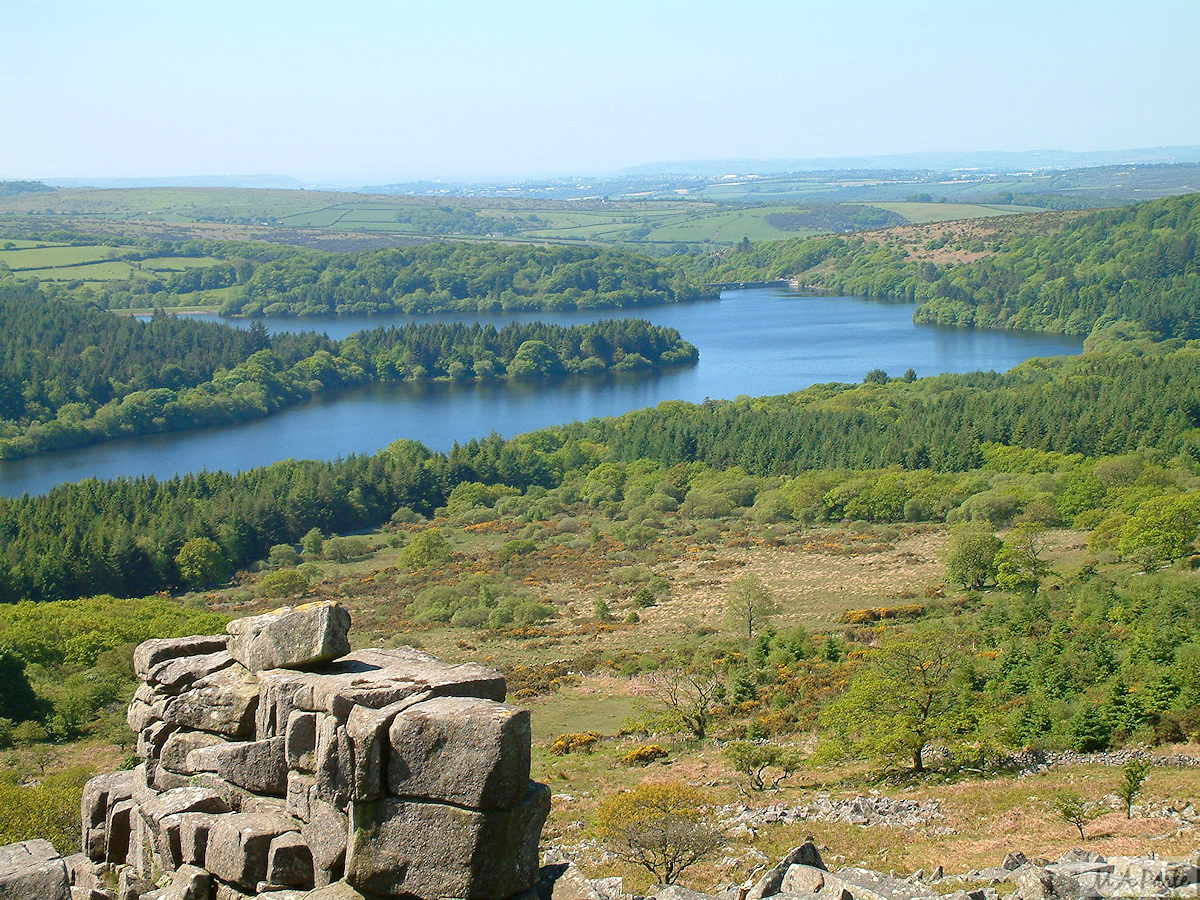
(749, 603)
(900, 699)
(661, 826)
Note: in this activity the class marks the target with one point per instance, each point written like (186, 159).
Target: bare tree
(687, 699)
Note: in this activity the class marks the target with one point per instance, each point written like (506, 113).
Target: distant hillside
(276, 182)
(1050, 272)
(993, 160)
(9, 188)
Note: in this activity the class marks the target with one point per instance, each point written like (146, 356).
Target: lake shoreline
(756, 342)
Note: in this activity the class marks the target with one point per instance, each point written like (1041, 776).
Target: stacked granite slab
(275, 760)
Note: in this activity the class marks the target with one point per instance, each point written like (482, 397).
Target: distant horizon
(468, 90)
(743, 166)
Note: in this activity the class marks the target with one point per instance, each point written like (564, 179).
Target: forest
(254, 278)
(124, 537)
(71, 375)
(1139, 265)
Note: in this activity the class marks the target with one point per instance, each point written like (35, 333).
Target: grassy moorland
(587, 617)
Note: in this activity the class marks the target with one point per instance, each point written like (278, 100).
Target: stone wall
(274, 760)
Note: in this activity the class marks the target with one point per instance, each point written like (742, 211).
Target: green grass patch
(179, 263)
(50, 257)
(99, 272)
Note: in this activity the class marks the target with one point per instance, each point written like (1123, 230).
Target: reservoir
(756, 341)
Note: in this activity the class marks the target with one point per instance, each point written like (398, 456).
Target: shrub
(1074, 810)
(428, 548)
(644, 754)
(282, 555)
(519, 547)
(575, 742)
(753, 761)
(345, 549)
(202, 562)
(282, 583)
(48, 809)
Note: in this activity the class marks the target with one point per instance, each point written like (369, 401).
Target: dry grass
(983, 819)
(817, 574)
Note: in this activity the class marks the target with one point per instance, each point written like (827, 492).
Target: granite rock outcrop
(276, 761)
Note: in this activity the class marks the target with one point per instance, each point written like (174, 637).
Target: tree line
(460, 276)
(256, 278)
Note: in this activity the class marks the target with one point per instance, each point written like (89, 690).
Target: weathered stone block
(131, 885)
(565, 881)
(866, 884)
(334, 763)
(224, 891)
(156, 651)
(771, 881)
(377, 678)
(151, 739)
(162, 779)
(239, 845)
(175, 750)
(280, 692)
(118, 827)
(291, 638)
(435, 850)
(223, 703)
(367, 732)
(181, 800)
(193, 836)
(290, 862)
(338, 890)
(257, 766)
(99, 794)
(187, 883)
(145, 708)
(460, 750)
(81, 871)
(299, 791)
(800, 879)
(370, 678)
(300, 740)
(326, 832)
(235, 797)
(33, 870)
(178, 675)
(160, 822)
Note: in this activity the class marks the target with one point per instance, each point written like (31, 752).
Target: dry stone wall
(276, 761)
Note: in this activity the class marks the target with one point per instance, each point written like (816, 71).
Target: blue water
(752, 342)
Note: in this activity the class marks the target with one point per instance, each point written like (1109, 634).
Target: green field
(101, 266)
(96, 273)
(721, 214)
(49, 256)
(923, 213)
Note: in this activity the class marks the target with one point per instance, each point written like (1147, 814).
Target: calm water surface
(759, 341)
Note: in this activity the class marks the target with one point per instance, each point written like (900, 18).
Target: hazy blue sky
(453, 88)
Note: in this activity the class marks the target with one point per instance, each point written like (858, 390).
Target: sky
(456, 89)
